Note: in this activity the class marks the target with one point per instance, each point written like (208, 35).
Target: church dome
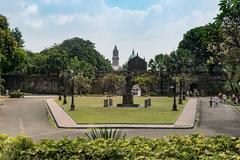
(133, 55)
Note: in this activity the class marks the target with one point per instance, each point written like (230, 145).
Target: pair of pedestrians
(215, 101)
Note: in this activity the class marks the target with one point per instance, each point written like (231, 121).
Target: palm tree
(160, 64)
(181, 60)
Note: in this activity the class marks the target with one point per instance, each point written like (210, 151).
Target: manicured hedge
(173, 147)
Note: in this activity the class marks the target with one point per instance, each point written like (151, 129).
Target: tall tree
(85, 50)
(225, 40)
(18, 37)
(195, 41)
(57, 60)
(181, 60)
(160, 64)
(12, 55)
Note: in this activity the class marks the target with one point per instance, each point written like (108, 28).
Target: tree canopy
(12, 54)
(84, 50)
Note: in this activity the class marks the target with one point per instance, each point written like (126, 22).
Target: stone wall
(41, 84)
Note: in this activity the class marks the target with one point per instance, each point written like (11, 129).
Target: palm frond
(104, 133)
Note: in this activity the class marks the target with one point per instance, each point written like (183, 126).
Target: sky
(149, 26)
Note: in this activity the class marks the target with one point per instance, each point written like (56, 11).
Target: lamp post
(59, 88)
(180, 93)
(0, 73)
(0, 79)
(174, 108)
(161, 78)
(72, 103)
(184, 92)
(65, 89)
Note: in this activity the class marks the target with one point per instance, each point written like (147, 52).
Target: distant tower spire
(133, 52)
(115, 58)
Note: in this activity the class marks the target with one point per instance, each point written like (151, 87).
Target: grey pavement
(29, 116)
(220, 119)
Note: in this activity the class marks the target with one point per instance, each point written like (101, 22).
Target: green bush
(11, 148)
(189, 147)
(15, 94)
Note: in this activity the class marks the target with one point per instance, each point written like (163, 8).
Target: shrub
(11, 148)
(188, 147)
(15, 94)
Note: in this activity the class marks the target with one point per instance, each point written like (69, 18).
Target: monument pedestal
(128, 105)
(128, 101)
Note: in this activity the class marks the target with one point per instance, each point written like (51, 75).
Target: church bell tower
(115, 58)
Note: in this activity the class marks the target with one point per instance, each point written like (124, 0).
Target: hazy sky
(149, 26)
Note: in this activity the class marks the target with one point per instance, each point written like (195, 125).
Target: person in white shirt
(216, 100)
(224, 98)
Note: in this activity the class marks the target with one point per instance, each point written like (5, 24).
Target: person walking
(224, 98)
(216, 100)
(210, 102)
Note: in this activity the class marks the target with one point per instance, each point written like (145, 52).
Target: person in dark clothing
(210, 101)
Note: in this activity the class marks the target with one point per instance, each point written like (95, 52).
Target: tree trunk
(161, 83)
(0, 82)
(232, 88)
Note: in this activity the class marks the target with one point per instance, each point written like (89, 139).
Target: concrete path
(221, 119)
(63, 120)
(23, 116)
(188, 116)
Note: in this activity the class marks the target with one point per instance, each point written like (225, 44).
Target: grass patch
(50, 119)
(51, 122)
(91, 110)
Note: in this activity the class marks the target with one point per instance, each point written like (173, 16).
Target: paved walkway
(23, 116)
(221, 119)
(63, 120)
(188, 116)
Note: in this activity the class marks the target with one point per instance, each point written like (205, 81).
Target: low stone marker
(149, 102)
(110, 102)
(105, 102)
(146, 103)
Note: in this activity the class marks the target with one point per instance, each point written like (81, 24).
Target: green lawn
(91, 110)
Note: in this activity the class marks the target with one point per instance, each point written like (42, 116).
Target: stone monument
(128, 96)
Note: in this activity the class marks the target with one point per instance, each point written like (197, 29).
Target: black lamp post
(180, 93)
(184, 92)
(59, 89)
(161, 79)
(65, 90)
(72, 103)
(174, 108)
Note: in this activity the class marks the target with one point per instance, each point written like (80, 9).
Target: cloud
(30, 16)
(63, 19)
(154, 29)
(35, 23)
(31, 10)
